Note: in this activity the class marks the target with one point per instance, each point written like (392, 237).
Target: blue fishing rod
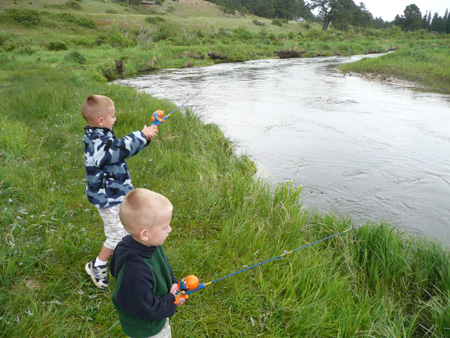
(190, 284)
(158, 116)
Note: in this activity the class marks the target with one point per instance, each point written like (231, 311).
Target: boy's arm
(113, 150)
(174, 279)
(136, 298)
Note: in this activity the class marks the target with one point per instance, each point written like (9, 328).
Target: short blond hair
(143, 208)
(96, 106)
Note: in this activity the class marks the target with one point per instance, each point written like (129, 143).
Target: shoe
(98, 274)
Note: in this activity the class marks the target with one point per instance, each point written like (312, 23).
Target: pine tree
(447, 22)
(437, 24)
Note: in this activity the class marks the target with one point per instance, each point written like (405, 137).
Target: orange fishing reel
(158, 118)
(187, 283)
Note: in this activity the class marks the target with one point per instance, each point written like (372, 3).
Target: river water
(371, 150)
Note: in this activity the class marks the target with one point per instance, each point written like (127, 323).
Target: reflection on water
(369, 149)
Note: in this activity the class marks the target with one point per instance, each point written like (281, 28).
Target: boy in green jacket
(146, 287)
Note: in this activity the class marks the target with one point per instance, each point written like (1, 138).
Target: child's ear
(143, 235)
(100, 121)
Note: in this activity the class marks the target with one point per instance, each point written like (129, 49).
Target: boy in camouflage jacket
(108, 177)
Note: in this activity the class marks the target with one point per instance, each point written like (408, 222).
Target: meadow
(373, 281)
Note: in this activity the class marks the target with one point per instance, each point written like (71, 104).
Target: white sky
(388, 9)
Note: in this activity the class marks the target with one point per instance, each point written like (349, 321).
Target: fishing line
(158, 116)
(203, 285)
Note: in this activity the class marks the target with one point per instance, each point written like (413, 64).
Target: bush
(109, 71)
(3, 39)
(277, 22)
(154, 19)
(27, 17)
(118, 40)
(165, 31)
(76, 57)
(73, 4)
(27, 50)
(56, 45)
(87, 23)
(258, 23)
(82, 41)
(242, 33)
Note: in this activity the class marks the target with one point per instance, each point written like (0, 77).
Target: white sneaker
(98, 274)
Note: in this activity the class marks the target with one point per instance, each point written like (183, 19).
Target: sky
(388, 9)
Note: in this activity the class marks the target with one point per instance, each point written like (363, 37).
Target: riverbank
(423, 67)
(223, 220)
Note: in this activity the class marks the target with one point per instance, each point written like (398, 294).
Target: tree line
(341, 14)
(413, 20)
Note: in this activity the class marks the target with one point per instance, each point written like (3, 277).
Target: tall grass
(371, 282)
(427, 66)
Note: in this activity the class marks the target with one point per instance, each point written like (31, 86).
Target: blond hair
(143, 208)
(96, 106)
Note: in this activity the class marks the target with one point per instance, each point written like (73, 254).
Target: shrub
(27, 50)
(242, 33)
(82, 41)
(76, 57)
(258, 23)
(87, 23)
(8, 46)
(165, 31)
(154, 19)
(56, 45)
(118, 40)
(3, 39)
(27, 17)
(277, 22)
(109, 71)
(73, 4)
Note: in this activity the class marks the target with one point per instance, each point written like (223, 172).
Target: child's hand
(181, 301)
(174, 290)
(150, 132)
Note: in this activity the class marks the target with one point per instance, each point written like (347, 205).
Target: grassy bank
(371, 282)
(110, 40)
(427, 67)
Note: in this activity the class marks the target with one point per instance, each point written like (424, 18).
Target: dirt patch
(384, 79)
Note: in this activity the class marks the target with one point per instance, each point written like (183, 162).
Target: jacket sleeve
(174, 279)
(109, 150)
(135, 294)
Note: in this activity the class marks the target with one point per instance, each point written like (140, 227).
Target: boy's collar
(98, 128)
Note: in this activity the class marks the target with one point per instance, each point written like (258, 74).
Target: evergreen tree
(286, 9)
(437, 24)
(362, 17)
(264, 8)
(447, 22)
(426, 20)
(411, 20)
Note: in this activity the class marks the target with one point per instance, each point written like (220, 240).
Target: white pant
(164, 333)
(114, 230)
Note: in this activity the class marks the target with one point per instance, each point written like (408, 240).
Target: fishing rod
(158, 116)
(190, 284)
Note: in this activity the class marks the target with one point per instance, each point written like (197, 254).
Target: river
(372, 150)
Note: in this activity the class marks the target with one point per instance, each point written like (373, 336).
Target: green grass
(371, 282)
(428, 67)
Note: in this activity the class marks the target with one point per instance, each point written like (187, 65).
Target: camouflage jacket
(108, 177)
